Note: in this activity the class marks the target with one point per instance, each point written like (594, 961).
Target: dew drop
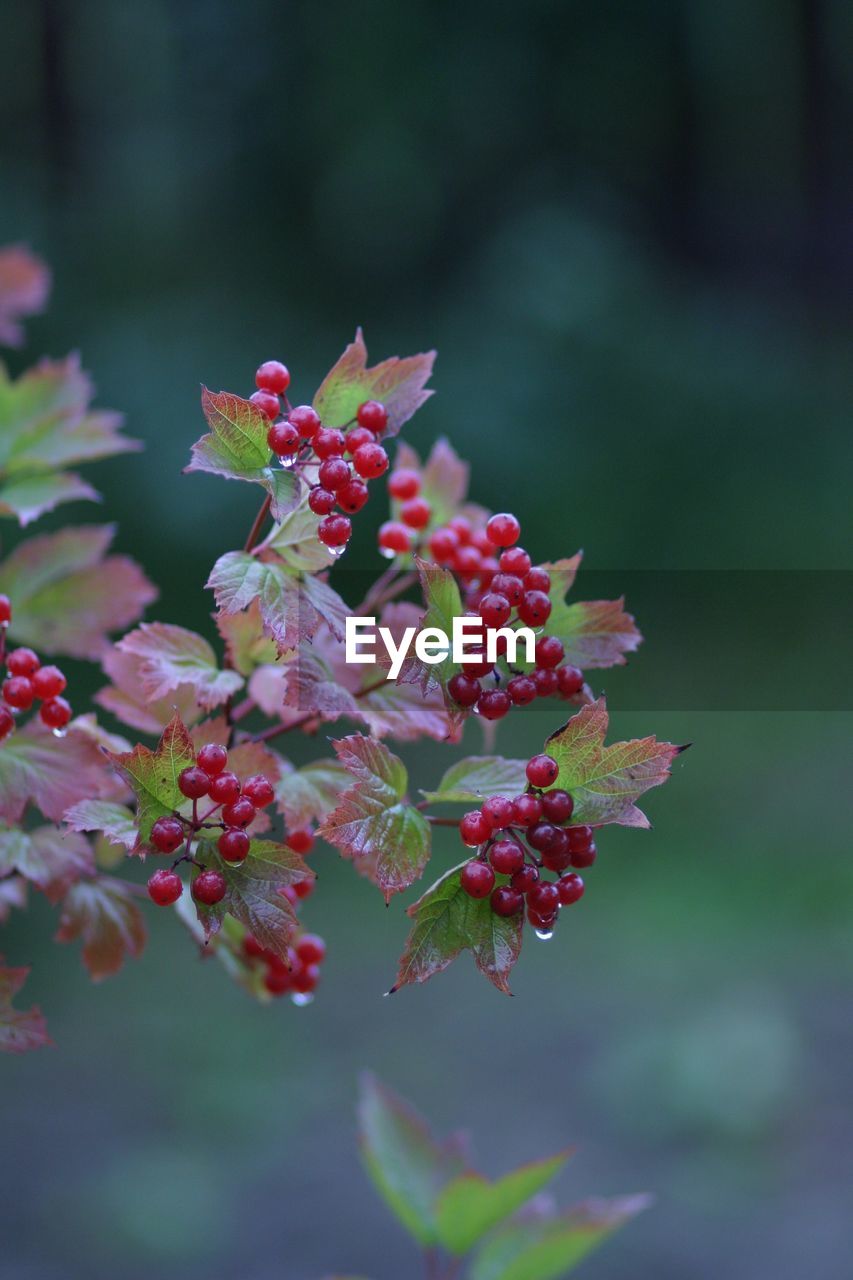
(387, 553)
(544, 934)
(59, 733)
(287, 460)
(301, 998)
(338, 551)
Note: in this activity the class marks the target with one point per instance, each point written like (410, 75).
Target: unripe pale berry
(477, 879)
(209, 887)
(167, 835)
(165, 887)
(273, 376)
(193, 782)
(212, 758)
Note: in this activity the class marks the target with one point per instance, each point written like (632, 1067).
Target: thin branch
(259, 523)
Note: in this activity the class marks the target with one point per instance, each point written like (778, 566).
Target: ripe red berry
(477, 664)
(477, 879)
(543, 924)
(7, 723)
(464, 689)
(503, 529)
(474, 828)
(357, 437)
(311, 949)
(466, 560)
(329, 443)
(535, 608)
(212, 758)
(239, 813)
(335, 531)
(266, 402)
(525, 878)
(499, 811)
(306, 420)
(506, 856)
(579, 837)
(541, 835)
(506, 901)
(461, 526)
(526, 810)
(370, 461)
(352, 496)
(233, 845)
(557, 805)
(18, 692)
(373, 415)
(404, 483)
(494, 609)
(522, 690)
(165, 887)
(549, 651)
(301, 841)
(487, 572)
(584, 857)
(570, 889)
(569, 681)
(305, 978)
(394, 537)
(416, 513)
(252, 948)
(193, 782)
(55, 713)
(167, 835)
(5, 611)
(543, 898)
(283, 439)
(537, 580)
(48, 682)
(273, 376)
(209, 887)
(259, 790)
(224, 787)
(515, 561)
(333, 473)
(542, 771)
(443, 545)
(481, 540)
(507, 584)
(22, 662)
(558, 855)
(494, 704)
(278, 980)
(546, 682)
(304, 888)
(321, 501)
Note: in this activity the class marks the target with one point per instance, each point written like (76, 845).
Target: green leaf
(24, 289)
(549, 1248)
(236, 448)
(68, 594)
(20, 1029)
(291, 609)
(443, 603)
(254, 894)
(447, 922)
(50, 859)
(153, 775)
(309, 794)
(470, 1206)
(52, 773)
(116, 821)
(125, 699)
(605, 781)
(172, 657)
(406, 1164)
(387, 839)
(473, 779)
(246, 644)
(296, 543)
(398, 384)
(28, 497)
(105, 915)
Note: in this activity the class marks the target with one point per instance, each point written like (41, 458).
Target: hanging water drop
(338, 551)
(387, 553)
(301, 998)
(544, 934)
(287, 460)
(59, 733)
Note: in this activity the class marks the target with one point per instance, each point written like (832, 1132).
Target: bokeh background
(627, 230)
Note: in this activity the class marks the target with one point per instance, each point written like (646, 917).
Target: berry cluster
(298, 438)
(27, 681)
(398, 537)
(235, 806)
(298, 974)
(520, 839)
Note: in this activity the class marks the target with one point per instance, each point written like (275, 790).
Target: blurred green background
(627, 230)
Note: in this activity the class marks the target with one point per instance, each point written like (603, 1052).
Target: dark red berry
(252, 948)
(503, 529)
(509, 586)
(306, 420)
(569, 681)
(535, 608)
(474, 828)
(584, 857)
(370, 461)
(506, 901)
(416, 513)
(273, 376)
(333, 473)
(525, 878)
(373, 415)
(537, 580)
(22, 662)
(301, 841)
(167, 835)
(5, 611)
(494, 704)
(212, 758)
(239, 813)
(352, 496)
(283, 438)
(543, 898)
(544, 924)
(334, 531)
(404, 483)
(526, 810)
(515, 561)
(321, 501)
(395, 537)
(545, 681)
(557, 805)
(570, 889)
(7, 722)
(278, 980)
(224, 787)
(357, 437)
(233, 845)
(165, 887)
(499, 811)
(329, 443)
(580, 837)
(304, 888)
(55, 713)
(305, 978)
(522, 690)
(193, 782)
(477, 664)
(464, 689)
(549, 651)
(495, 609)
(311, 949)
(209, 887)
(477, 879)
(259, 790)
(541, 835)
(506, 856)
(542, 771)
(443, 545)
(558, 855)
(266, 402)
(18, 692)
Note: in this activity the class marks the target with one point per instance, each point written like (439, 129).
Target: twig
(258, 523)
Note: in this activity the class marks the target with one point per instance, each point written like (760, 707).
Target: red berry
(321, 501)
(570, 889)
(526, 810)
(488, 571)
(515, 561)
(266, 402)
(22, 662)
(283, 439)
(55, 713)
(193, 782)
(416, 513)
(545, 681)
(507, 584)
(335, 531)
(301, 841)
(542, 771)
(537, 580)
(443, 545)
(7, 723)
(461, 526)
(165, 887)
(252, 948)
(544, 924)
(494, 704)
(305, 978)
(18, 692)
(525, 878)
(395, 537)
(311, 949)
(278, 980)
(477, 664)
(209, 887)
(543, 898)
(167, 835)
(541, 835)
(370, 461)
(333, 473)
(329, 443)
(495, 609)
(357, 437)
(579, 837)
(558, 855)
(233, 845)
(557, 805)
(259, 790)
(535, 608)
(506, 901)
(584, 857)
(404, 483)
(477, 879)
(5, 611)
(372, 415)
(522, 690)
(474, 828)
(466, 561)
(506, 856)
(239, 813)
(464, 689)
(352, 496)
(273, 376)
(498, 810)
(481, 540)
(212, 758)
(503, 529)
(549, 651)
(304, 888)
(569, 681)
(306, 420)
(224, 787)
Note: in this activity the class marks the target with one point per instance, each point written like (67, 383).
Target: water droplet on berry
(544, 934)
(338, 551)
(301, 998)
(387, 553)
(287, 460)
(59, 733)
